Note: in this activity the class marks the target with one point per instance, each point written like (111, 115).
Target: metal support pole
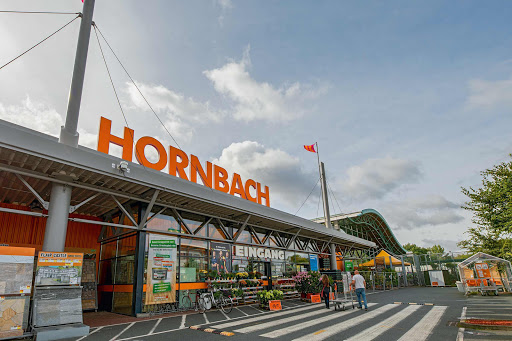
(60, 198)
(57, 223)
(68, 133)
(334, 263)
(404, 273)
(325, 198)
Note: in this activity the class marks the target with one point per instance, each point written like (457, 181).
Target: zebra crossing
(314, 322)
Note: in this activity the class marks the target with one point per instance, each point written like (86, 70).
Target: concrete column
(57, 222)
(334, 264)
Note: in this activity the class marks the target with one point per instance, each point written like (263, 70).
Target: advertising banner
(221, 257)
(313, 262)
(482, 270)
(161, 270)
(349, 265)
(16, 270)
(59, 268)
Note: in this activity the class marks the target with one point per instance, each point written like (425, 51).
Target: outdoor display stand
(57, 309)
(90, 287)
(16, 272)
(485, 274)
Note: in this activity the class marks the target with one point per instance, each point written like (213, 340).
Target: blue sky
(408, 100)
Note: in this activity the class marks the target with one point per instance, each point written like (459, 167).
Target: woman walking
(324, 283)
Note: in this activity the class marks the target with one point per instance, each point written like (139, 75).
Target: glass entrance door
(265, 270)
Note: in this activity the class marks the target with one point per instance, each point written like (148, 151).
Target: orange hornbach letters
(212, 176)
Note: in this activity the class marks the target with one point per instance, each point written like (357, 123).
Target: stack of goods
(89, 290)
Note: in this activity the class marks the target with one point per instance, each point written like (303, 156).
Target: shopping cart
(344, 299)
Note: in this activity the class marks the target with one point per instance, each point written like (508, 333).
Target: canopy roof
(370, 225)
(383, 258)
(480, 257)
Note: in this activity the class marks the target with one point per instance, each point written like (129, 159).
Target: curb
(211, 330)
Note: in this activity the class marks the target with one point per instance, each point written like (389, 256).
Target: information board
(59, 268)
(482, 270)
(16, 270)
(313, 262)
(161, 270)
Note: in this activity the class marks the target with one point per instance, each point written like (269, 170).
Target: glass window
(278, 269)
(193, 269)
(301, 258)
(165, 223)
(245, 237)
(108, 250)
(240, 265)
(216, 232)
(193, 225)
(125, 270)
(272, 241)
(126, 246)
(106, 272)
(193, 247)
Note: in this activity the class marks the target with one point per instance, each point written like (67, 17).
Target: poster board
(13, 315)
(16, 270)
(313, 262)
(221, 257)
(482, 270)
(59, 268)
(161, 270)
(436, 278)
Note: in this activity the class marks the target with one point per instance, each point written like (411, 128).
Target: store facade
(151, 230)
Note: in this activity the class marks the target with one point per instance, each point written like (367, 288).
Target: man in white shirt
(360, 284)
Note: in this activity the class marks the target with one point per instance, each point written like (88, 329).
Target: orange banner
(17, 251)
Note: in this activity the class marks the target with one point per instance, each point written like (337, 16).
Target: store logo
(214, 177)
(258, 252)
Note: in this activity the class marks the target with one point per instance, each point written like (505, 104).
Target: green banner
(163, 244)
(349, 266)
(161, 287)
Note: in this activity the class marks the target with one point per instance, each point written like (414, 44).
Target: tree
(437, 249)
(492, 213)
(417, 250)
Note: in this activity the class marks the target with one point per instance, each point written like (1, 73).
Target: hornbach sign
(214, 177)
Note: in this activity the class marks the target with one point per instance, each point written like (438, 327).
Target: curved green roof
(370, 225)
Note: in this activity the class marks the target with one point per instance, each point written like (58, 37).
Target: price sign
(315, 299)
(274, 305)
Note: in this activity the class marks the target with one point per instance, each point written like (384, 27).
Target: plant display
(265, 296)
(242, 275)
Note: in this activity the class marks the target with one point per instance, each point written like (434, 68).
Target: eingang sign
(258, 252)
(214, 177)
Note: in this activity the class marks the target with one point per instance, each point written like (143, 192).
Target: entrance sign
(275, 305)
(214, 177)
(313, 262)
(221, 257)
(258, 252)
(161, 271)
(59, 268)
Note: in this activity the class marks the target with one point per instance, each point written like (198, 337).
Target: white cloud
(490, 93)
(274, 168)
(225, 4)
(260, 101)
(377, 177)
(33, 115)
(449, 245)
(431, 210)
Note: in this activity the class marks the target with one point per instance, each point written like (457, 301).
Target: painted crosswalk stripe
(272, 323)
(287, 330)
(376, 330)
(424, 328)
(263, 317)
(339, 327)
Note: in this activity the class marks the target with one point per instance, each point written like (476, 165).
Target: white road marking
(424, 327)
(94, 331)
(272, 323)
(264, 317)
(122, 331)
(460, 333)
(226, 316)
(242, 311)
(156, 325)
(286, 330)
(183, 319)
(377, 329)
(206, 319)
(339, 327)
(254, 308)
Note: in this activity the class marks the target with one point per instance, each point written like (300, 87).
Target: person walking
(360, 284)
(324, 283)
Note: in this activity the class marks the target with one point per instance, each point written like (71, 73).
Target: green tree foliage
(418, 250)
(492, 213)
(437, 249)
